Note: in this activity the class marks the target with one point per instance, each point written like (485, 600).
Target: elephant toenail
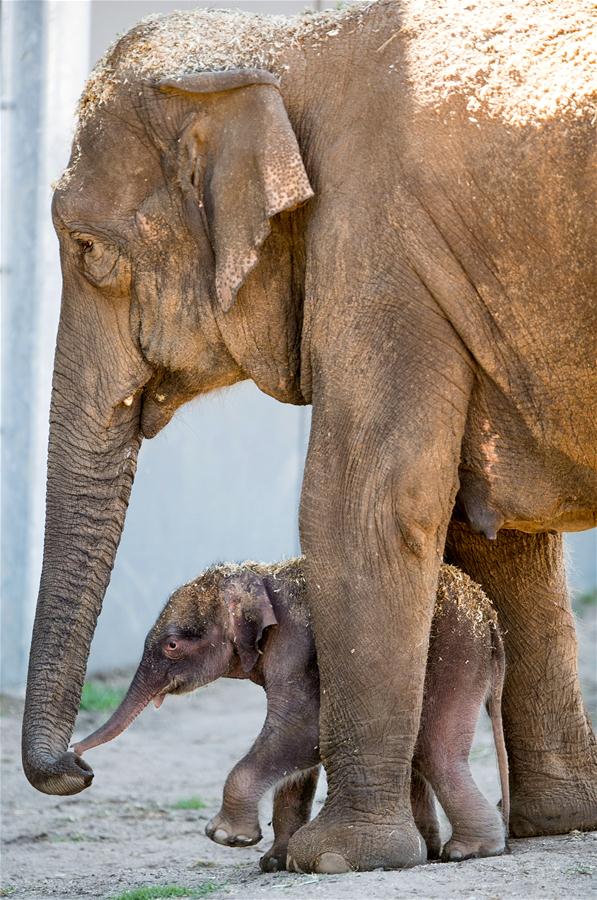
(331, 864)
(220, 836)
(291, 865)
(243, 839)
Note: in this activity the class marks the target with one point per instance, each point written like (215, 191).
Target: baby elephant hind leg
(458, 681)
(425, 814)
(292, 809)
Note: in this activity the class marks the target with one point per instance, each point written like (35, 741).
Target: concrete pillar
(45, 59)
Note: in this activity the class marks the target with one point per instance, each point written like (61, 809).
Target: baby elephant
(251, 621)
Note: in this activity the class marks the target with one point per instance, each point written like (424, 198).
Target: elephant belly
(511, 478)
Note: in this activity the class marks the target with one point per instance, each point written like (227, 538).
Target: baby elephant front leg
(237, 822)
(287, 744)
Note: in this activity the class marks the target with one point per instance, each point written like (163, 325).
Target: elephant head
(209, 628)
(161, 216)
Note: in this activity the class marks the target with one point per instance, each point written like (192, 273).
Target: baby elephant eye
(173, 648)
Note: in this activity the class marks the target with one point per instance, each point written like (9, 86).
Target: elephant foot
(457, 848)
(223, 830)
(330, 848)
(532, 817)
(563, 800)
(275, 859)
(433, 842)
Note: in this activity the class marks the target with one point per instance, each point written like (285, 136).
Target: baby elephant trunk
(137, 697)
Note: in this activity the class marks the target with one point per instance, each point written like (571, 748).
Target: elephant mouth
(155, 415)
(176, 686)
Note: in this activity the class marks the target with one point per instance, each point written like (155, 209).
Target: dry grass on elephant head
(207, 39)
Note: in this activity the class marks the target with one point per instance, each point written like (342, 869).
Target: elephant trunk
(139, 694)
(92, 459)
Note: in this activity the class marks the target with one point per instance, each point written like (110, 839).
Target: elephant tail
(494, 708)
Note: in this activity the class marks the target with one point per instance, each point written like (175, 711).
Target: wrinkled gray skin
(425, 279)
(253, 623)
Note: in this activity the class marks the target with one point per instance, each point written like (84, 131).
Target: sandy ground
(125, 832)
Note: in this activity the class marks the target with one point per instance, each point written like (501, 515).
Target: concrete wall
(223, 480)
(45, 59)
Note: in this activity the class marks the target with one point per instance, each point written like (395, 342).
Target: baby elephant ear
(251, 612)
(243, 162)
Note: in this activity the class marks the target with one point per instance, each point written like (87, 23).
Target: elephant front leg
(373, 520)
(552, 750)
(292, 808)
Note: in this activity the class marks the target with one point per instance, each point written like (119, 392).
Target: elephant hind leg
(292, 808)
(552, 751)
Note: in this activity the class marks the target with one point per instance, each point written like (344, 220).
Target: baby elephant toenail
(291, 865)
(220, 836)
(331, 864)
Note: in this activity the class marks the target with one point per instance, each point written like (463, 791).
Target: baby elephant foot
(275, 859)
(433, 842)
(223, 830)
(459, 848)
(330, 848)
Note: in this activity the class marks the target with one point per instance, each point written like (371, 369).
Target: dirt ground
(128, 831)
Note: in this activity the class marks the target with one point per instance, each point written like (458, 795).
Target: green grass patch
(100, 697)
(68, 838)
(190, 803)
(6, 891)
(155, 892)
(587, 598)
(580, 870)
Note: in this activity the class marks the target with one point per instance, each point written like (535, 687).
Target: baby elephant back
(463, 607)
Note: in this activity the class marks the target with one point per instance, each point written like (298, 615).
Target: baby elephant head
(208, 628)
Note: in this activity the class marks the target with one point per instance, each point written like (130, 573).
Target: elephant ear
(241, 161)
(251, 612)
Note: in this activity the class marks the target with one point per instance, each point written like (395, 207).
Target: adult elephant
(399, 231)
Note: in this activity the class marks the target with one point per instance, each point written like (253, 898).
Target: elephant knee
(416, 512)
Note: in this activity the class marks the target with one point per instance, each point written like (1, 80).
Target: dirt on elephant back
(466, 597)
(141, 824)
(524, 62)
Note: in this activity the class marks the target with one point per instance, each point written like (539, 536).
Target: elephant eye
(97, 259)
(173, 648)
